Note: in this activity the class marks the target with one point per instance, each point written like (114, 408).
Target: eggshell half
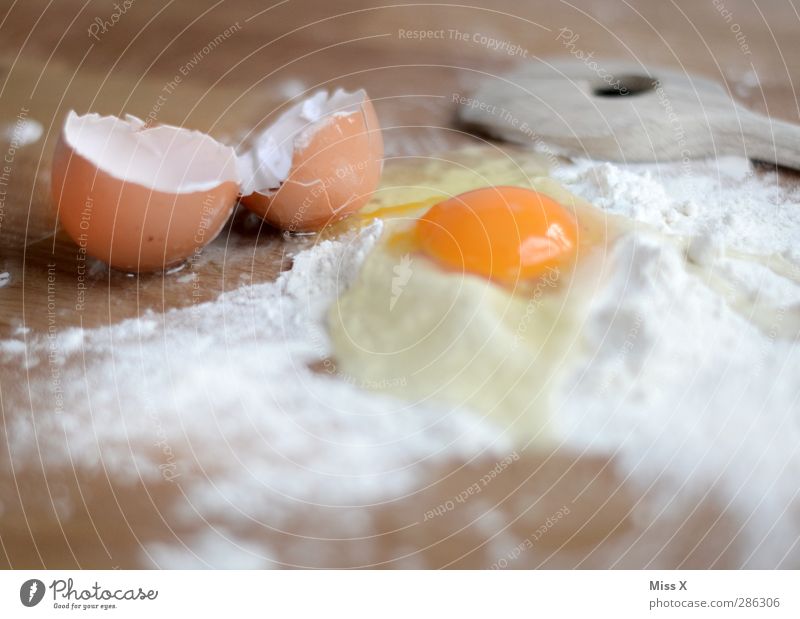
(141, 198)
(336, 162)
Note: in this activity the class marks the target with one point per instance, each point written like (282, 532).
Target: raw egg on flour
(467, 297)
(502, 233)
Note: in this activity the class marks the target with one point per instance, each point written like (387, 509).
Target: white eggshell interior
(268, 160)
(165, 158)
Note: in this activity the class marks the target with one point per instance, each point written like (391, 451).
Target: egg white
(410, 328)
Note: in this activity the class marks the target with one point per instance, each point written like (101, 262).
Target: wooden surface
(50, 64)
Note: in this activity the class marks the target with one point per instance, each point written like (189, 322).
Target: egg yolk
(503, 233)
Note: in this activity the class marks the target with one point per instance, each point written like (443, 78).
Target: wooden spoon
(625, 112)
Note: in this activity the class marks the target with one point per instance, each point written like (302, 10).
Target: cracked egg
(319, 162)
(146, 198)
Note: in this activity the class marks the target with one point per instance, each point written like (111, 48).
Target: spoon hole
(625, 86)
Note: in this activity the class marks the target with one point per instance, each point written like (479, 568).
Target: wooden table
(67, 55)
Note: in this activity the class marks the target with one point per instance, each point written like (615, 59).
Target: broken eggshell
(320, 161)
(141, 198)
(145, 198)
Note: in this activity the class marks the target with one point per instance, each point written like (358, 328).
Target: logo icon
(31, 592)
(402, 275)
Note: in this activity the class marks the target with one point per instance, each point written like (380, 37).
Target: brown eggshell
(332, 176)
(130, 226)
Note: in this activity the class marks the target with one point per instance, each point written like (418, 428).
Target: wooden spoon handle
(772, 141)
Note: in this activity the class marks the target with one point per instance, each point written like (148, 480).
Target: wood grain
(50, 64)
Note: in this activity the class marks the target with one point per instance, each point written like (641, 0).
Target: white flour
(225, 387)
(722, 199)
(683, 389)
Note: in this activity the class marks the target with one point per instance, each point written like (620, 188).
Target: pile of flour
(219, 398)
(682, 389)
